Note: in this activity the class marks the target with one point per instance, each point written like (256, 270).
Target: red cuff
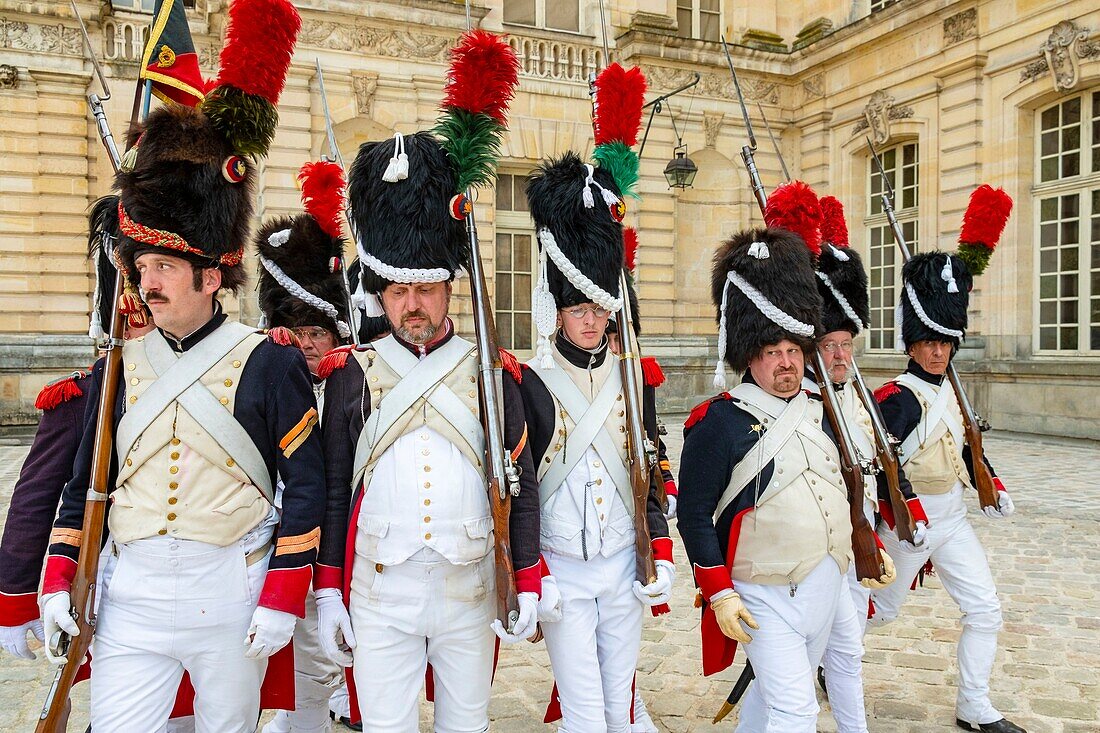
(529, 580)
(544, 569)
(285, 590)
(328, 576)
(670, 488)
(662, 549)
(18, 608)
(712, 580)
(997, 483)
(59, 574)
(916, 510)
(878, 541)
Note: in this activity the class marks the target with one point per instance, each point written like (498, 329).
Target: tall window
(515, 264)
(698, 19)
(884, 267)
(877, 5)
(558, 15)
(1067, 195)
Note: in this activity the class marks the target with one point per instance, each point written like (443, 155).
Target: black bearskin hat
(941, 283)
(103, 237)
(777, 266)
(844, 269)
(406, 224)
(370, 327)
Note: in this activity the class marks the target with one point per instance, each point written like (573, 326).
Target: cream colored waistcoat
(176, 479)
(802, 515)
(937, 463)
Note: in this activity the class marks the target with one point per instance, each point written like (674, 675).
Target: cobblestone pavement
(1047, 675)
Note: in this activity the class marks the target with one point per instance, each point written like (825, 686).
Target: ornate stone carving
(959, 27)
(878, 114)
(375, 41)
(9, 76)
(1034, 70)
(813, 87)
(712, 126)
(365, 84)
(54, 39)
(1062, 51)
(663, 78)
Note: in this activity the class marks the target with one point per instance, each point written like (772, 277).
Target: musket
(55, 710)
(973, 424)
(747, 150)
(335, 157)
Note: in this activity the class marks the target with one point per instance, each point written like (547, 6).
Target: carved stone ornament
(58, 40)
(813, 87)
(878, 114)
(365, 84)
(664, 79)
(385, 42)
(712, 126)
(1062, 52)
(959, 27)
(9, 76)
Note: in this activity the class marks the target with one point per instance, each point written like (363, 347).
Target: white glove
(55, 617)
(671, 513)
(527, 623)
(1004, 507)
(920, 533)
(550, 602)
(14, 638)
(660, 590)
(334, 626)
(269, 632)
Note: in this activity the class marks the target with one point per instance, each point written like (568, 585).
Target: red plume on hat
(834, 230)
(323, 190)
(983, 223)
(794, 206)
(630, 248)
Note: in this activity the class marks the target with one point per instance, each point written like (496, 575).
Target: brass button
(173, 485)
(473, 379)
(599, 482)
(236, 363)
(175, 441)
(230, 462)
(133, 399)
(427, 502)
(427, 484)
(622, 429)
(374, 379)
(135, 381)
(175, 456)
(547, 459)
(596, 464)
(131, 367)
(162, 531)
(619, 397)
(173, 470)
(561, 431)
(171, 516)
(228, 383)
(378, 567)
(779, 470)
(472, 393)
(427, 469)
(557, 446)
(172, 500)
(427, 519)
(561, 413)
(129, 462)
(425, 452)
(621, 413)
(427, 535)
(224, 400)
(423, 436)
(599, 500)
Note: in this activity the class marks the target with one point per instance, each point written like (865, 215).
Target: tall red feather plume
(834, 229)
(259, 43)
(483, 75)
(620, 94)
(323, 194)
(630, 248)
(794, 207)
(986, 216)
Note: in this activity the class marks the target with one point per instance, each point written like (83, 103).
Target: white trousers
(962, 567)
(316, 678)
(170, 606)
(594, 648)
(417, 612)
(787, 648)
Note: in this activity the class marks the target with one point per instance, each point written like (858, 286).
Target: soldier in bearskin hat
(209, 414)
(763, 509)
(574, 396)
(404, 442)
(921, 409)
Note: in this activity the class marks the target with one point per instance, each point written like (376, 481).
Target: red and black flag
(170, 61)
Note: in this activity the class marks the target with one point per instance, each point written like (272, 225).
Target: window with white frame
(699, 19)
(877, 5)
(558, 15)
(515, 264)
(1067, 199)
(884, 256)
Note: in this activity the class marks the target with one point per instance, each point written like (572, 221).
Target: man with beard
(404, 452)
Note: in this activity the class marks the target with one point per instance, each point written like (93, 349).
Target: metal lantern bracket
(658, 104)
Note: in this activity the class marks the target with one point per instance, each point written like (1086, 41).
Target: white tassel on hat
(839, 253)
(398, 168)
(544, 312)
(609, 196)
(720, 367)
(948, 276)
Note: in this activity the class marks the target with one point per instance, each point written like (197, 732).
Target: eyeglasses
(580, 313)
(313, 333)
(833, 346)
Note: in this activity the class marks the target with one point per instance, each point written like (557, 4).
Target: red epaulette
(700, 411)
(333, 360)
(652, 374)
(283, 336)
(886, 391)
(510, 364)
(60, 390)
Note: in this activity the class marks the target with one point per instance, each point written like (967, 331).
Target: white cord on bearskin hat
(305, 296)
(844, 304)
(899, 342)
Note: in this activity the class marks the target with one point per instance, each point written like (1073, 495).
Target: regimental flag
(170, 61)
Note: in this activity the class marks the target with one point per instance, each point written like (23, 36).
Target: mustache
(784, 370)
(414, 314)
(155, 298)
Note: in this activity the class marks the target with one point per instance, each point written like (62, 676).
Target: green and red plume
(834, 230)
(794, 206)
(481, 83)
(616, 120)
(323, 191)
(983, 224)
(259, 43)
(630, 248)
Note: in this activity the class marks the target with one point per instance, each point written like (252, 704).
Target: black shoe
(821, 681)
(998, 726)
(346, 722)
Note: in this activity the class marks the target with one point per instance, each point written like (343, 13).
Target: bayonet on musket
(95, 101)
(775, 143)
(747, 151)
